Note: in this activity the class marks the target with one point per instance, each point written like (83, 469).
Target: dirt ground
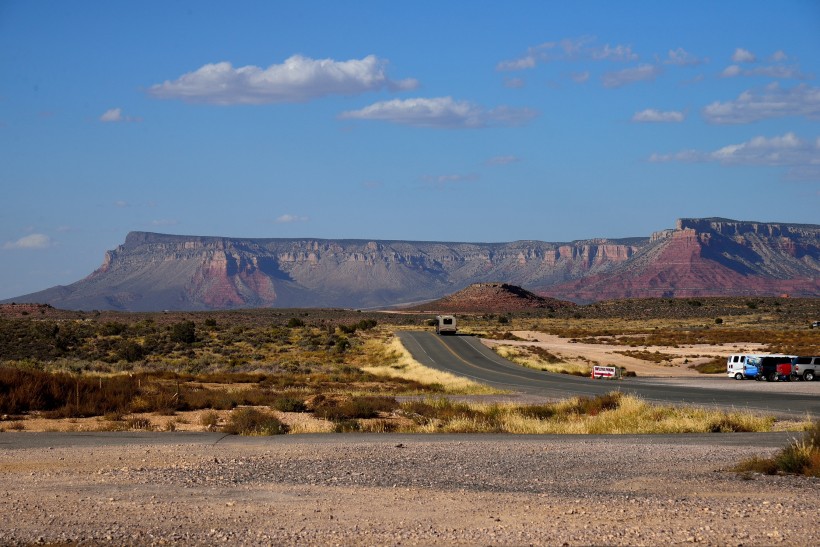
(195, 489)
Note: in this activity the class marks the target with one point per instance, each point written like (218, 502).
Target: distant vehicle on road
(445, 324)
(806, 367)
(815, 325)
(741, 367)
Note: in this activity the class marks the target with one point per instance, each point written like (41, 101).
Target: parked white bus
(445, 324)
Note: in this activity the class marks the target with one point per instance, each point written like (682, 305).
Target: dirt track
(408, 490)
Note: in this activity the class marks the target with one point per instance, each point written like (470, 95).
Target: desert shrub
(727, 424)
(61, 395)
(113, 328)
(541, 412)
(184, 332)
(799, 457)
(253, 422)
(592, 406)
(289, 403)
(295, 322)
(438, 409)
(139, 423)
(354, 408)
(209, 420)
(347, 426)
(130, 351)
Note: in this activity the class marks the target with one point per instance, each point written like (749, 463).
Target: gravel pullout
(400, 490)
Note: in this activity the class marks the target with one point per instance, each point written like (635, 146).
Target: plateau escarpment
(698, 257)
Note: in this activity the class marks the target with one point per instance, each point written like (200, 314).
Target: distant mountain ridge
(699, 257)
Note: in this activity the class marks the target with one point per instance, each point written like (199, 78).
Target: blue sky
(449, 121)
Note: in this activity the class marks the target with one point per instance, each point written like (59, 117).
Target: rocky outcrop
(714, 256)
(493, 298)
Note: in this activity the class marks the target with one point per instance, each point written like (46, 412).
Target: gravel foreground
(198, 489)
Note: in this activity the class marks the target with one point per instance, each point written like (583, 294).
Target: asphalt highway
(467, 356)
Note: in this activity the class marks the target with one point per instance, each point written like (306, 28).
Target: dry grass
(530, 357)
(395, 361)
(799, 457)
(611, 414)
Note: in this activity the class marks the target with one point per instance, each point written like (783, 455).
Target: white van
(741, 366)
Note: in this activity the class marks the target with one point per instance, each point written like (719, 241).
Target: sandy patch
(682, 357)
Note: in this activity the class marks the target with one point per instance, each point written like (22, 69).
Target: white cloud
(779, 56)
(286, 219)
(743, 56)
(652, 115)
(442, 180)
(164, 222)
(580, 77)
(441, 112)
(514, 83)
(568, 49)
(298, 79)
(731, 71)
(616, 53)
(31, 241)
(114, 115)
(771, 102)
(640, 73)
(681, 57)
(780, 72)
(802, 157)
(502, 160)
(121, 204)
(522, 63)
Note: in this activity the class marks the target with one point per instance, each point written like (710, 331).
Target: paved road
(467, 356)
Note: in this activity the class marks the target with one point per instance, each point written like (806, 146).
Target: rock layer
(699, 257)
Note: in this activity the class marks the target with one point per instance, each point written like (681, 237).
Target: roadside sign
(605, 372)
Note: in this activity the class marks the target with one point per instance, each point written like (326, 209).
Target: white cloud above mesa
(31, 241)
(297, 79)
(288, 218)
(801, 156)
(652, 115)
(620, 78)
(773, 101)
(441, 112)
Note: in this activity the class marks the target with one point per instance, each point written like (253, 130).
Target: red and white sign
(604, 372)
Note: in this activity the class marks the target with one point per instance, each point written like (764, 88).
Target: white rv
(741, 367)
(445, 324)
